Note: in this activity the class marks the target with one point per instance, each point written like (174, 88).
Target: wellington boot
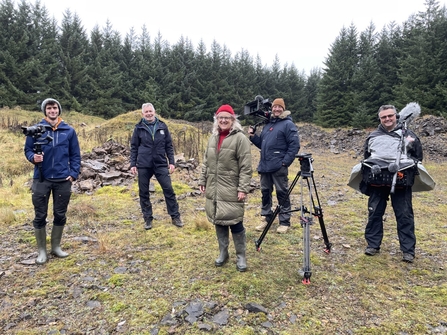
(239, 240)
(41, 239)
(56, 235)
(222, 233)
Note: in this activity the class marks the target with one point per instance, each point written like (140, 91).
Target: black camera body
(35, 131)
(259, 107)
(305, 164)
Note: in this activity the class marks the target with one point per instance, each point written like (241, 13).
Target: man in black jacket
(152, 153)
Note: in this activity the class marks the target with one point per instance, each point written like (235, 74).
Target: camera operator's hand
(251, 130)
(38, 158)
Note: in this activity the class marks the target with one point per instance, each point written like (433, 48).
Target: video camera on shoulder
(259, 107)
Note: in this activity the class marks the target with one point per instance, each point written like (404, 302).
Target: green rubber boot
(41, 239)
(56, 236)
(223, 239)
(240, 246)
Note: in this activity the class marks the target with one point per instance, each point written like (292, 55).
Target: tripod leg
(306, 272)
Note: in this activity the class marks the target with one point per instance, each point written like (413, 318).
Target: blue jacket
(62, 155)
(279, 143)
(147, 151)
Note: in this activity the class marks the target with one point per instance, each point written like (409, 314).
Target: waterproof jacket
(62, 154)
(225, 173)
(279, 143)
(149, 150)
(384, 145)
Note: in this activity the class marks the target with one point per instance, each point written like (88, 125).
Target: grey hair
(147, 104)
(236, 125)
(385, 107)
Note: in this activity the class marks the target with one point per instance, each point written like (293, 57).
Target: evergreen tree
(387, 55)
(336, 95)
(419, 68)
(366, 78)
(311, 92)
(74, 63)
(105, 73)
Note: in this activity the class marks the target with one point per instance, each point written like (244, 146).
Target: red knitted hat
(225, 108)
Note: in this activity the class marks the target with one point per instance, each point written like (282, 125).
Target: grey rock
(255, 308)
(221, 318)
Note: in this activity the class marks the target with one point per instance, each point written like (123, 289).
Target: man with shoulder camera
(382, 149)
(279, 143)
(56, 167)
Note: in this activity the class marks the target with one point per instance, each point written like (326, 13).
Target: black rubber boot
(41, 239)
(239, 244)
(56, 236)
(222, 233)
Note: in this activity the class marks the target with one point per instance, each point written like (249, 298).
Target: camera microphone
(411, 111)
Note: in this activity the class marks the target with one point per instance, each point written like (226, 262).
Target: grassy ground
(120, 278)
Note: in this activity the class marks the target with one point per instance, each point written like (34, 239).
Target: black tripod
(306, 217)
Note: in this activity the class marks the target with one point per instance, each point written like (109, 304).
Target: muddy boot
(239, 244)
(222, 233)
(56, 235)
(41, 239)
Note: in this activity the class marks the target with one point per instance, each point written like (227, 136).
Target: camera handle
(257, 125)
(37, 148)
(305, 222)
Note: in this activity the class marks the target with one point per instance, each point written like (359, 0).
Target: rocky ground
(431, 130)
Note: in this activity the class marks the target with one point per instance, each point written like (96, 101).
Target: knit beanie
(279, 102)
(46, 101)
(225, 108)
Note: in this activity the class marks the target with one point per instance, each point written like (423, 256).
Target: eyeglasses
(224, 118)
(389, 116)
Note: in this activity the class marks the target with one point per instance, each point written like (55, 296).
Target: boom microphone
(411, 111)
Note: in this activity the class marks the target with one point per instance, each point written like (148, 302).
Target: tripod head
(305, 164)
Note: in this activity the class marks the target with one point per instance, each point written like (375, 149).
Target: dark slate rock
(168, 320)
(255, 308)
(204, 326)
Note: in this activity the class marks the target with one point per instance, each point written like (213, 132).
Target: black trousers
(280, 180)
(163, 177)
(42, 191)
(401, 201)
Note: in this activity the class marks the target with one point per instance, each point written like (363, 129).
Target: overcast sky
(299, 32)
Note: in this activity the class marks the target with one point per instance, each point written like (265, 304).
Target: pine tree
(336, 92)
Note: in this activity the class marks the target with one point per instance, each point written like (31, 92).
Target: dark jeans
(401, 201)
(280, 180)
(144, 177)
(41, 195)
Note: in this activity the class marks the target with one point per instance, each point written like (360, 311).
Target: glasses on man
(389, 116)
(224, 118)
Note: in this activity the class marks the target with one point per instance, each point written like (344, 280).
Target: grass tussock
(119, 276)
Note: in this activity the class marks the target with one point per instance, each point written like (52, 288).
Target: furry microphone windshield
(411, 111)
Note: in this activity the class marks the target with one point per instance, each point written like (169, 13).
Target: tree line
(104, 74)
